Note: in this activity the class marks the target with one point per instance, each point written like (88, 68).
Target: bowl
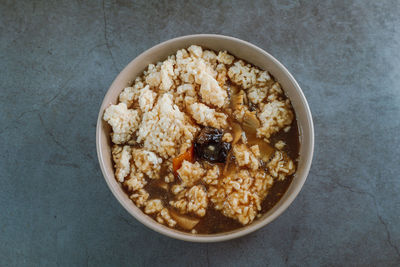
(240, 49)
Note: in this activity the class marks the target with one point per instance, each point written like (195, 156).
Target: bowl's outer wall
(240, 49)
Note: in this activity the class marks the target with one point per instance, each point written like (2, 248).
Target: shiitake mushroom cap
(209, 146)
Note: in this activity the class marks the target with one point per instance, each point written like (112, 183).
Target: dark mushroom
(209, 146)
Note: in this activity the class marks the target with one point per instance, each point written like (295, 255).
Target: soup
(204, 142)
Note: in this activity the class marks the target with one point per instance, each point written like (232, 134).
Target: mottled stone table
(57, 59)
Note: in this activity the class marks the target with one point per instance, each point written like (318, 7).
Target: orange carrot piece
(188, 156)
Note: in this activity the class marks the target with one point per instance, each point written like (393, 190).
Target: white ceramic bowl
(240, 49)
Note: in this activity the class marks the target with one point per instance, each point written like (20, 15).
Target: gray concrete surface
(57, 59)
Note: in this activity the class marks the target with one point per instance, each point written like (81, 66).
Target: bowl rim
(222, 236)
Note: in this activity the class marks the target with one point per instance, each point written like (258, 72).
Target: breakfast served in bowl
(205, 138)
(203, 141)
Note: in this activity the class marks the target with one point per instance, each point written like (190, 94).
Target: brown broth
(214, 221)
